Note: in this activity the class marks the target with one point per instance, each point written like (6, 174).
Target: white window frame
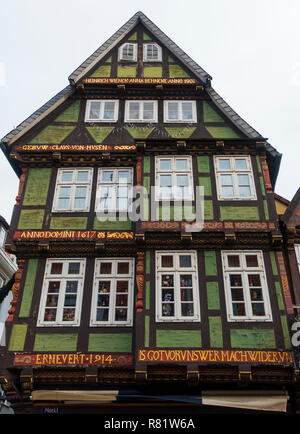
(297, 250)
(114, 184)
(176, 270)
(234, 172)
(120, 52)
(73, 184)
(159, 52)
(174, 173)
(141, 111)
(113, 277)
(62, 278)
(180, 117)
(101, 111)
(244, 271)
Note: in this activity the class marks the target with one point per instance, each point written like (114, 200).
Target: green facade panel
(37, 187)
(28, 288)
(31, 219)
(254, 338)
(178, 339)
(110, 342)
(55, 342)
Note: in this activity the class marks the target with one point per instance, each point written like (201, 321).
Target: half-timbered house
(166, 306)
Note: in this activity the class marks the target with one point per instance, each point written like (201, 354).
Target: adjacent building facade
(154, 298)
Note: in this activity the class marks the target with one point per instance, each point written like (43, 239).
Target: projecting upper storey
(139, 85)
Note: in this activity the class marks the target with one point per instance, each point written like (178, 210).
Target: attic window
(102, 111)
(152, 53)
(128, 52)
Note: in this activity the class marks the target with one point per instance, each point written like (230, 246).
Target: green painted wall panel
(180, 132)
(146, 37)
(215, 332)
(37, 187)
(147, 329)
(146, 164)
(210, 263)
(120, 225)
(206, 183)
(17, 337)
(53, 134)
(55, 342)
(213, 297)
(126, 71)
(258, 163)
(274, 263)
(262, 185)
(178, 338)
(208, 210)
(239, 213)
(31, 219)
(147, 294)
(139, 132)
(177, 212)
(68, 223)
(99, 133)
(222, 132)
(175, 71)
(153, 71)
(110, 342)
(146, 184)
(102, 71)
(28, 288)
(203, 164)
(71, 114)
(133, 37)
(255, 338)
(148, 262)
(286, 335)
(266, 209)
(209, 114)
(279, 296)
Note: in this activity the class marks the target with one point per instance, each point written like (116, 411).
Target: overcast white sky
(251, 48)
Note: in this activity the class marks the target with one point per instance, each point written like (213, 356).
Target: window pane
(167, 261)
(70, 300)
(186, 294)
(243, 179)
(79, 203)
(237, 294)
(83, 176)
(81, 192)
(64, 192)
(63, 203)
(241, 164)
(123, 177)
(72, 286)
(102, 315)
(56, 268)
(123, 268)
(68, 314)
(165, 164)
(50, 315)
(187, 309)
(109, 110)
(185, 261)
(167, 309)
(227, 191)
(245, 191)
(104, 285)
(251, 261)
(235, 280)
(127, 52)
(238, 309)
(148, 110)
(74, 268)
(134, 110)
(52, 301)
(233, 261)
(258, 309)
(254, 280)
(226, 180)
(165, 180)
(105, 267)
(66, 176)
(181, 164)
(53, 287)
(94, 110)
(256, 294)
(173, 111)
(182, 180)
(167, 281)
(122, 204)
(121, 314)
(187, 110)
(107, 176)
(123, 191)
(122, 286)
(224, 164)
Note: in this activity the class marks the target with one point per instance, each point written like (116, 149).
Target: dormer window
(152, 53)
(128, 52)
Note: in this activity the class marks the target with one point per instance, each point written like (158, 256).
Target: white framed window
(180, 111)
(177, 294)
(174, 178)
(112, 301)
(234, 177)
(73, 190)
(128, 51)
(141, 111)
(114, 189)
(62, 292)
(3, 234)
(102, 110)
(246, 289)
(297, 250)
(152, 53)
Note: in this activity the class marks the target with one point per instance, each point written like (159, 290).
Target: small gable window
(128, 52)
(152, 53)
(102, 111)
